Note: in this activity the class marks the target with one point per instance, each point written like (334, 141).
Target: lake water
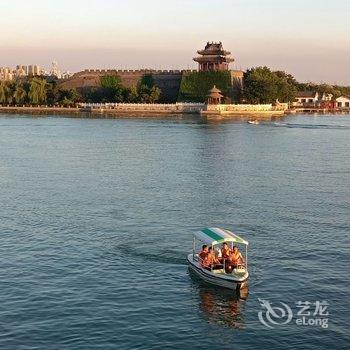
(97, 216)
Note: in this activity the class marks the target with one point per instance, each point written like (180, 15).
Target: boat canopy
(214, 235)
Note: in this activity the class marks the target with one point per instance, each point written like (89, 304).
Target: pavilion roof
(212, 48)
(214, 92)
(213, 52)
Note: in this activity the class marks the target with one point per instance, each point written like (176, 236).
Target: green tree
(110, 81)
(148, 95)
(52, 93)
(93, 95)
(119, 95)
(286, 77)
(20, 94)
(154, 94)
(4, 92)
(11, 86)
(131, 95)
(111, 89)
(37, 91)
(261, 85)
(68, 96)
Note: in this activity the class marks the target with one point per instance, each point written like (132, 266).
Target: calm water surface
(96, 221)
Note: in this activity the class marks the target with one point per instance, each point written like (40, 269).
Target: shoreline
(38, 109)
(152, 114)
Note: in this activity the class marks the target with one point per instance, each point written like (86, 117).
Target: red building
(213, 58)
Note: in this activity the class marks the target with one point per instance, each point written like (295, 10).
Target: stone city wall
(167, 80)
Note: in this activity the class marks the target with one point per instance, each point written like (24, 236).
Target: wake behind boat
(222, 273)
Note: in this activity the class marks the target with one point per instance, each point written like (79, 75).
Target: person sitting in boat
(235, 258)
(210, 261)
(218, 254)
(203, 254)
(225, 252)
(213, 260)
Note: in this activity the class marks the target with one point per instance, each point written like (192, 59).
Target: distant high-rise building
(55, 70)
(20, 71)
(6, 73)
(34, 70)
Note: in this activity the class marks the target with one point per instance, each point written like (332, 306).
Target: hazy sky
(308, 38)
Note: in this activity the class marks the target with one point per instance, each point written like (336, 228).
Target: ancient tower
(213, 58)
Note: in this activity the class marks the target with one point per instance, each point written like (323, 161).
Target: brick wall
(167, 80)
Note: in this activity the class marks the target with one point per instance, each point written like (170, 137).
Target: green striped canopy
(214, 235)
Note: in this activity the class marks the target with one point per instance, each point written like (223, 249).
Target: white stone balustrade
(184, 107)
(146, 107)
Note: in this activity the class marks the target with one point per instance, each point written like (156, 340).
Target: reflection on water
(221, 306)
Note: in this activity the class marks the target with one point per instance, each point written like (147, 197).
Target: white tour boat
(254, 122)
(215, 237)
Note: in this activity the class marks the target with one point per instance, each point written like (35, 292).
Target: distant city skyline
(308, 39)
(16, 71)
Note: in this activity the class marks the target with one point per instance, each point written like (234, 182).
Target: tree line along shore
(261, 85)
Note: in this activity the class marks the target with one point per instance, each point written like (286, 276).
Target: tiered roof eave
(206, 52)
(213, 58)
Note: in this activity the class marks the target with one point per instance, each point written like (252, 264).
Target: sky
(307, 38)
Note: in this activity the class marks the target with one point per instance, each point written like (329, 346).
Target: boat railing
(240, 267)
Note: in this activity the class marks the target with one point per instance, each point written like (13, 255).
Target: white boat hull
(223, 280)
